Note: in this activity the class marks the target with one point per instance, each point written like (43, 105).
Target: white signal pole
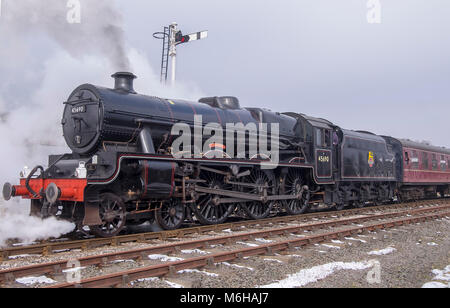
(173, 37)
(173, 52)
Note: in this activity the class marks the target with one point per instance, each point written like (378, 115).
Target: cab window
(318, 137)
(323, 137)
(327, 138)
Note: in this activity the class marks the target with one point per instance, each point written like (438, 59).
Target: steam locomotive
(124, 168)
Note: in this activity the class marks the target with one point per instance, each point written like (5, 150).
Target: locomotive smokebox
(124, 82)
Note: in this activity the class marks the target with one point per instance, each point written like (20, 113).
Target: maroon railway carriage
(426, 170)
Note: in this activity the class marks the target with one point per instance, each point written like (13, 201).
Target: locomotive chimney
(124, 82)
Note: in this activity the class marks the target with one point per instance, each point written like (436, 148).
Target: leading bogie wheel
(171, 214)
(112, 212)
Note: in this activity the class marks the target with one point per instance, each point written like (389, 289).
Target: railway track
(48, 248)
(123, 278)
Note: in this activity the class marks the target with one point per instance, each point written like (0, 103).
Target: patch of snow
(237, 266)
(248, 244)
(214, 246)
(146, 279)
(122, 261)
(337, 242)
(197, 271)
(432, 244)
(189, 251)
(442, 277)
(273, 260)
(74, 269)
(331, 246)
(298, 235)
(262, 240)
(24, 244)
(174, 285)
(435, 285)
(355, 239)
(227, 230)
(22, 256)
(314, 274)
(61, 250)
(381, 252)
(163, 258)
(33, 280)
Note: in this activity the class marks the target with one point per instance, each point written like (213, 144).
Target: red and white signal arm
(198, 35)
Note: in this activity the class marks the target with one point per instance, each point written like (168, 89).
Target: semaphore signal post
(172, 37)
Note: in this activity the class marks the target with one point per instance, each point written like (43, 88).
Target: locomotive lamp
(81, 171)
(25, 172)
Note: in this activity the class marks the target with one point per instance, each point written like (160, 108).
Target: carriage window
(434, 162)
(443, 163)
(425, 165)
(415, 160)
(407, 158)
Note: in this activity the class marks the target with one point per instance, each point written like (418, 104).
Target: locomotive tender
(122, 169)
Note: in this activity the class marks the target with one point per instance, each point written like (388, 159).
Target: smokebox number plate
(78, 109)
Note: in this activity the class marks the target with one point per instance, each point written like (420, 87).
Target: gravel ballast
(408, 256)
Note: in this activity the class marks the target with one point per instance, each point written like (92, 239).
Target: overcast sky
(319, 57)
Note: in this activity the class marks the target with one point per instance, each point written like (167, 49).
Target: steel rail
(123, 278)
(57, 267)
(55, 247)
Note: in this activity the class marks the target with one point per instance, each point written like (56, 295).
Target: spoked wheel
(359, 204)
(340, 203)
(293, 184)
(208, 210)
(261, 180)
(340, 206)
(112, 214)
(171, 215)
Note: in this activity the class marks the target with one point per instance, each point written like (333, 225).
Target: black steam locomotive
(124, 168)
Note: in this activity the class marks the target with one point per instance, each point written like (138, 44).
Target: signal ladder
(165, 54)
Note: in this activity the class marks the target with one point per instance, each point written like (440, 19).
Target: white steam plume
(39, 68)
(98, 33)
